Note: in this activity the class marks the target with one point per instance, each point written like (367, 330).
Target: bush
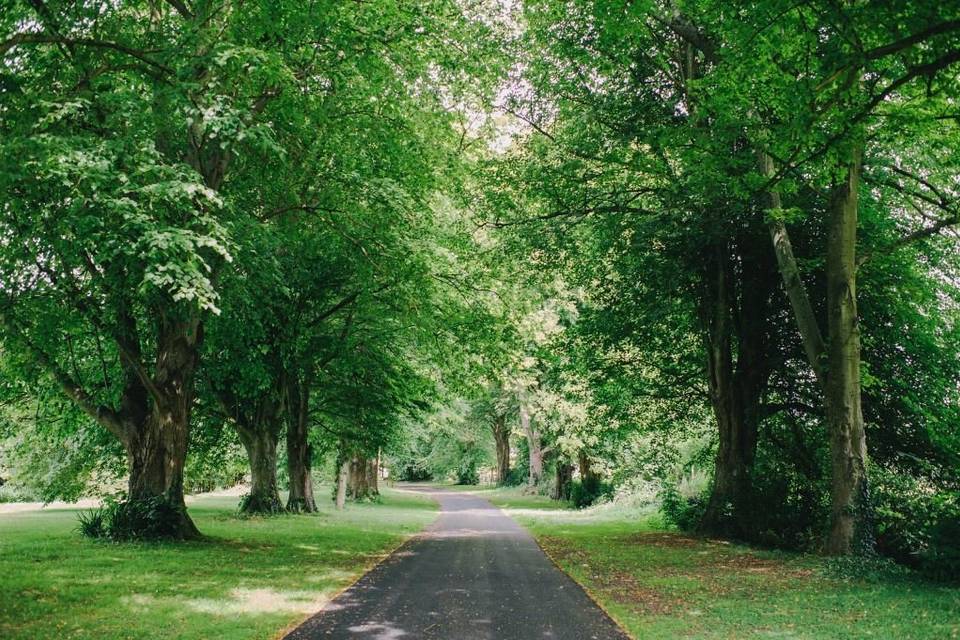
(92, 522)
(917, 522)
(683, 512)
(415, 473)
(11, 493)
(942, 558)
(869, 568)
(467, 473)
(515, 478)
(787, 508)
(146, 519)
(584, 493)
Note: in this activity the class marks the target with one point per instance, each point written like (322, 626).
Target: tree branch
(43, 38)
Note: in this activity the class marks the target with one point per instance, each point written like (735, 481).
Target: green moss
(249, 578)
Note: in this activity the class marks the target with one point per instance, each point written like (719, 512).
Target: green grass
(250, 578)
(660, 584)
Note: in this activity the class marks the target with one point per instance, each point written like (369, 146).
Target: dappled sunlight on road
(378, 631)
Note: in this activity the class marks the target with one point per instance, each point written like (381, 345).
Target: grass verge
(250, 578)
(659, 584)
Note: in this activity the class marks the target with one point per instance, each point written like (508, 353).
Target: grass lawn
(250, 578)
(660, 584)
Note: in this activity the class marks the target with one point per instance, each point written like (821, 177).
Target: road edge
(293, 626)
(582, 586)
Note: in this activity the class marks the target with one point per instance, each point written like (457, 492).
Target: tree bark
(157, 450)
(851, 516)
(534, 446)
(736, 387)
(501, 436)
(261, 446)
(373, 473)
(585, 468)
(341, 498)
(564, 476)
(806, 319)
(300, 499)
(836, 361)
(362, 478)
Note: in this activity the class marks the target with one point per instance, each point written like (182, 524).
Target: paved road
(474, 574)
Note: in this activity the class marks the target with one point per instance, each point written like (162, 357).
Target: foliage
(917, 524)
(516, 477)
(467, 473)
(683, 512)
(125, 520)
(92, 523)
(584, 493)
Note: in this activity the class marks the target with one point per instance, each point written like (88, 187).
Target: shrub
(467, 473)
(92, 522)
(942, 558)
(11, 493)
(684, 512)
(869, 568)
(917, 522)
(515, 478)
(591, 490)
(145, 519)
(413, 472)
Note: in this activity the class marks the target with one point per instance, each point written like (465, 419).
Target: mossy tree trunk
(851, 515)
(260, 440)
(836, 360)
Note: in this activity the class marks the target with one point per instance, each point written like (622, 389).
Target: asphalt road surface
(474, 574)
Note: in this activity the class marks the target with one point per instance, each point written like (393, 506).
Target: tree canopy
(590, 246)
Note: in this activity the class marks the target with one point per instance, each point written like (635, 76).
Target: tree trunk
(585, 468)
(157, 451)
(561, 488)
(300, 499)
(341, 498)
(362, 481)
(836, 361)
(261, 445)
(501, 436)
(807, 324)
(533, 444)
(373, 475)
(851, 517)
(736, 388)
(715, 317)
